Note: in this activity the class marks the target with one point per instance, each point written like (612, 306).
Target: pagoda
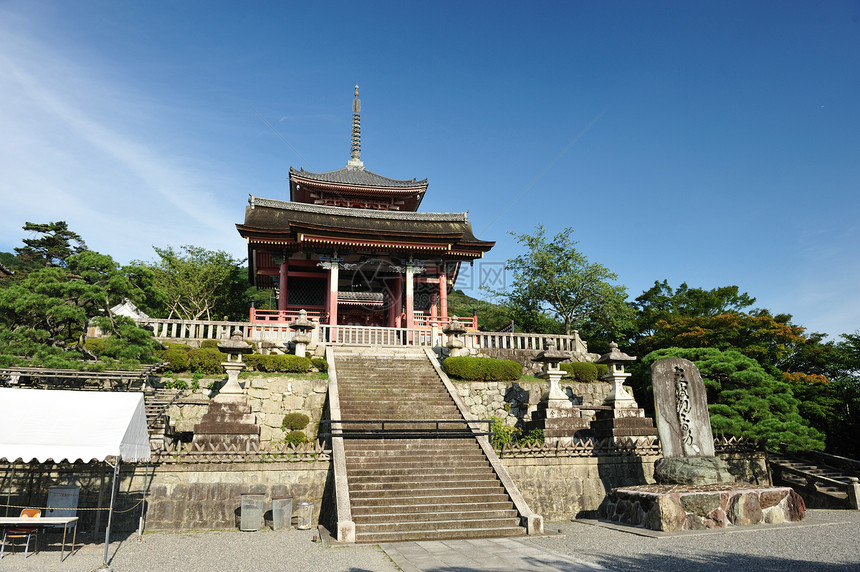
(350, 248)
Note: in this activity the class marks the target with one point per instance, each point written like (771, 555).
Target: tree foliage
(553, 277)
(744, 400)
(45, 314)
(51, 244)
(198, 283)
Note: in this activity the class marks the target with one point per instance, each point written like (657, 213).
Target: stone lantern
(302, 326)
(454, 331)
(550, 358)
(229, 422)
(624, 419)
(615, 360)
(234, 348)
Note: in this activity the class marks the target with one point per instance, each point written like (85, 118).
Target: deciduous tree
(199, 283)
(552, 276)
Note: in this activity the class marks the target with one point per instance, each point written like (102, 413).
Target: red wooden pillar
(443, 296)
(282, 286)
(331, 299)
(410, 296)
(395, 300)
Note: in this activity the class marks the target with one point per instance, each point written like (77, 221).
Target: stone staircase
(410, 487)
(156, 403)
(820, 485)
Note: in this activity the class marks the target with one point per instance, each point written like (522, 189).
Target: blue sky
(709, 142)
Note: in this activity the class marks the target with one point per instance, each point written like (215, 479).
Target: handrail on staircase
(435, 432)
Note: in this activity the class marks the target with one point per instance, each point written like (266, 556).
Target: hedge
(320, 364)
(295, 421)
(580, 371)
(278, 363)
(482, 369)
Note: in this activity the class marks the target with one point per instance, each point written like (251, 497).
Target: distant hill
(491, 317)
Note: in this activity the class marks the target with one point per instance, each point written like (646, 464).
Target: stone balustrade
(280, 331)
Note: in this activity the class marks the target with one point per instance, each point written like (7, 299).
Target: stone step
(372, 472)
(430, 453)
(389, 510)
(437, 534)
(450, 524)
(437, 455)
(364, 500)
(440, 478)
(478, 489)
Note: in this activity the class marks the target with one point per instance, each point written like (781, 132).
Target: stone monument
(684, 426)
(694, 489)
(229, 423)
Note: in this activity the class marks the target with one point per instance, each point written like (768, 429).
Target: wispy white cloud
(77, 146)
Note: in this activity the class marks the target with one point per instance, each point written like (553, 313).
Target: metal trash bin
(305, 515)
(282, 514)
(252, 512)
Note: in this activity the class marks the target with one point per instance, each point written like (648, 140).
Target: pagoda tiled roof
(358, 176)
(356, 213)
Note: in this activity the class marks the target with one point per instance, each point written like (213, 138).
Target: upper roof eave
(357, 177)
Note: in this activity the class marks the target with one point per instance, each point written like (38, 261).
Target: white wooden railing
(198, 330)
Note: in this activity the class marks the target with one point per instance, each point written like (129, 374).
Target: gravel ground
(832, 545)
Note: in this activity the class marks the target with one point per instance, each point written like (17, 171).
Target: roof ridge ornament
(355, 147)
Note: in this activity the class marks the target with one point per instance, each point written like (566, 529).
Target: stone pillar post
(282, 285)
(434, 300)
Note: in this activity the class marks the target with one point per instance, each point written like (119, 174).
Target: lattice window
(306, 291)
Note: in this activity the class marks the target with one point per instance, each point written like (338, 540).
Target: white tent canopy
(46, 424)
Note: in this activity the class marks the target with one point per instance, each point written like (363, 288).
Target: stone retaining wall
(270, 399)
(199, 497)
(516, 401)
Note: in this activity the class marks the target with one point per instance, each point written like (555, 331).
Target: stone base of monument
(691, 471)
(228, 423)
(623, 423)
(561, 422)
(672, 508)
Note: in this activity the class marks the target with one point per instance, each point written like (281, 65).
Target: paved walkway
(490, 555)
(827, 541)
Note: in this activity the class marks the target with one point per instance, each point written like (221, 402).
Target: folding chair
(23, 532)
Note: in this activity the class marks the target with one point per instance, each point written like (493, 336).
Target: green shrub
(175, 384)
(602, 369)
(295, 421)
(176, 358)
(95, 345)
(581, 371)
(503, 434)
(320, 364)
(206, 360)
(295, 438)
(278, 363)
(482, 369)
(209, 344)
(181, 347)
(533, 437)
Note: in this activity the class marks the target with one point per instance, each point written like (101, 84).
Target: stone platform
(672, 508)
